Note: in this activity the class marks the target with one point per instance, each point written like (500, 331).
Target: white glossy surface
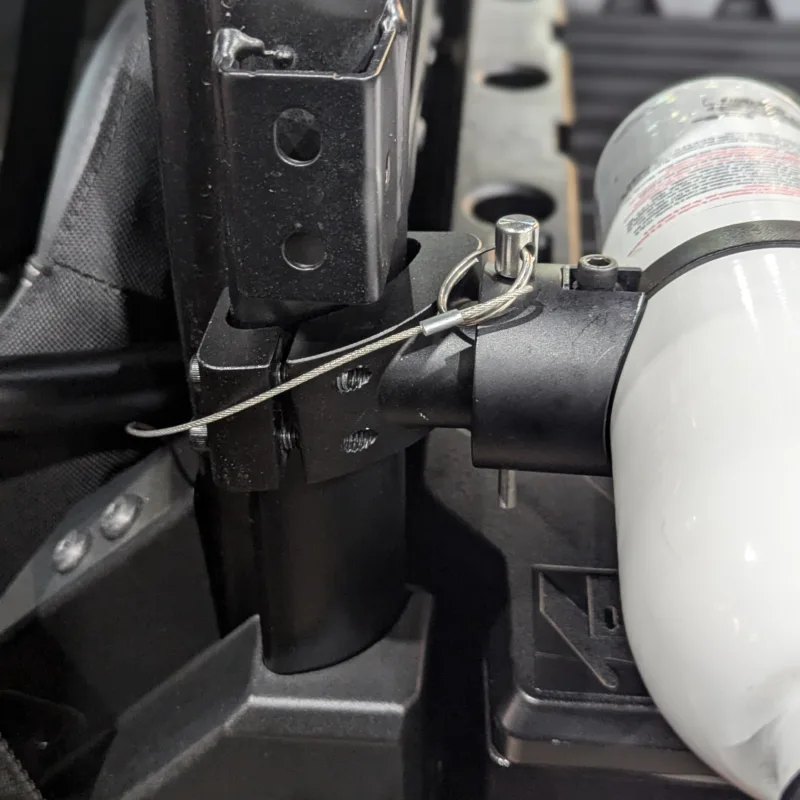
(705, 427)
(705, 437)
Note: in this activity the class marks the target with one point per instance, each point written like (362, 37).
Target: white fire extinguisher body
(705, 429)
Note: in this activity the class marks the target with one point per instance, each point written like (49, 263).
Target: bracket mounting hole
(304, 251)
(298, 137)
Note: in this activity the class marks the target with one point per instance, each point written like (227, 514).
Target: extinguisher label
(727, 158)
(715, 172)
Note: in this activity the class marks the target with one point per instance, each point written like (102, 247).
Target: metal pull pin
(512, 235)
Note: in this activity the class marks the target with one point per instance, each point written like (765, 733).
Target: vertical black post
(181, 43)
(285, 148)
(332, 558)
(180, 47)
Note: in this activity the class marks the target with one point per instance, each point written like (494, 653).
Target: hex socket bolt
(597, 272)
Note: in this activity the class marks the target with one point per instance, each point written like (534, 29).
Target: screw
(71, 550)
(198, 438)
(194, 370)
(353, 380)
(288, 439)
(597, 272)
(359, 441)
(118, 516)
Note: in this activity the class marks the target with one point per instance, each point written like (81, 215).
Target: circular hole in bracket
(492, 202)
(516, 77)
(304, 251)
(298, 137)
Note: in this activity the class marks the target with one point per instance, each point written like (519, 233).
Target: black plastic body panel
(563, 697)
(227, 727)
(78, 649)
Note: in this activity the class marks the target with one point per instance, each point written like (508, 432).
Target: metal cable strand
(455, 276)
(489, 309)
(141, 432)
(467, 317)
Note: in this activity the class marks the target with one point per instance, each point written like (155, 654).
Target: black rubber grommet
(792, 791)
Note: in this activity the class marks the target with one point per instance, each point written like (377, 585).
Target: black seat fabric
(100, 278)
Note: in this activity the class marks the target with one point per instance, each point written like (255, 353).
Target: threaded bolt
(359, 441)
(288, 439)
(198, 438)
(353, 379)
(194, 371)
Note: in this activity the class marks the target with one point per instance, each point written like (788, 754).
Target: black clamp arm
(534, 387)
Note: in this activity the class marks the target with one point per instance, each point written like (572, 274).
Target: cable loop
(489, 309)
(466, 317)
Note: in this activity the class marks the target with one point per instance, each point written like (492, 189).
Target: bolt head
(119, 516)
(597, 271)
(71, 550)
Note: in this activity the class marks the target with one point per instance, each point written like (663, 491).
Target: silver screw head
(70, 550)
(119, 516)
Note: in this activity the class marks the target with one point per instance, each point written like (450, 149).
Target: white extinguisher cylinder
(705, 424)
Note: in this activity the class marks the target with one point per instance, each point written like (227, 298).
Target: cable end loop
(139, 430)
